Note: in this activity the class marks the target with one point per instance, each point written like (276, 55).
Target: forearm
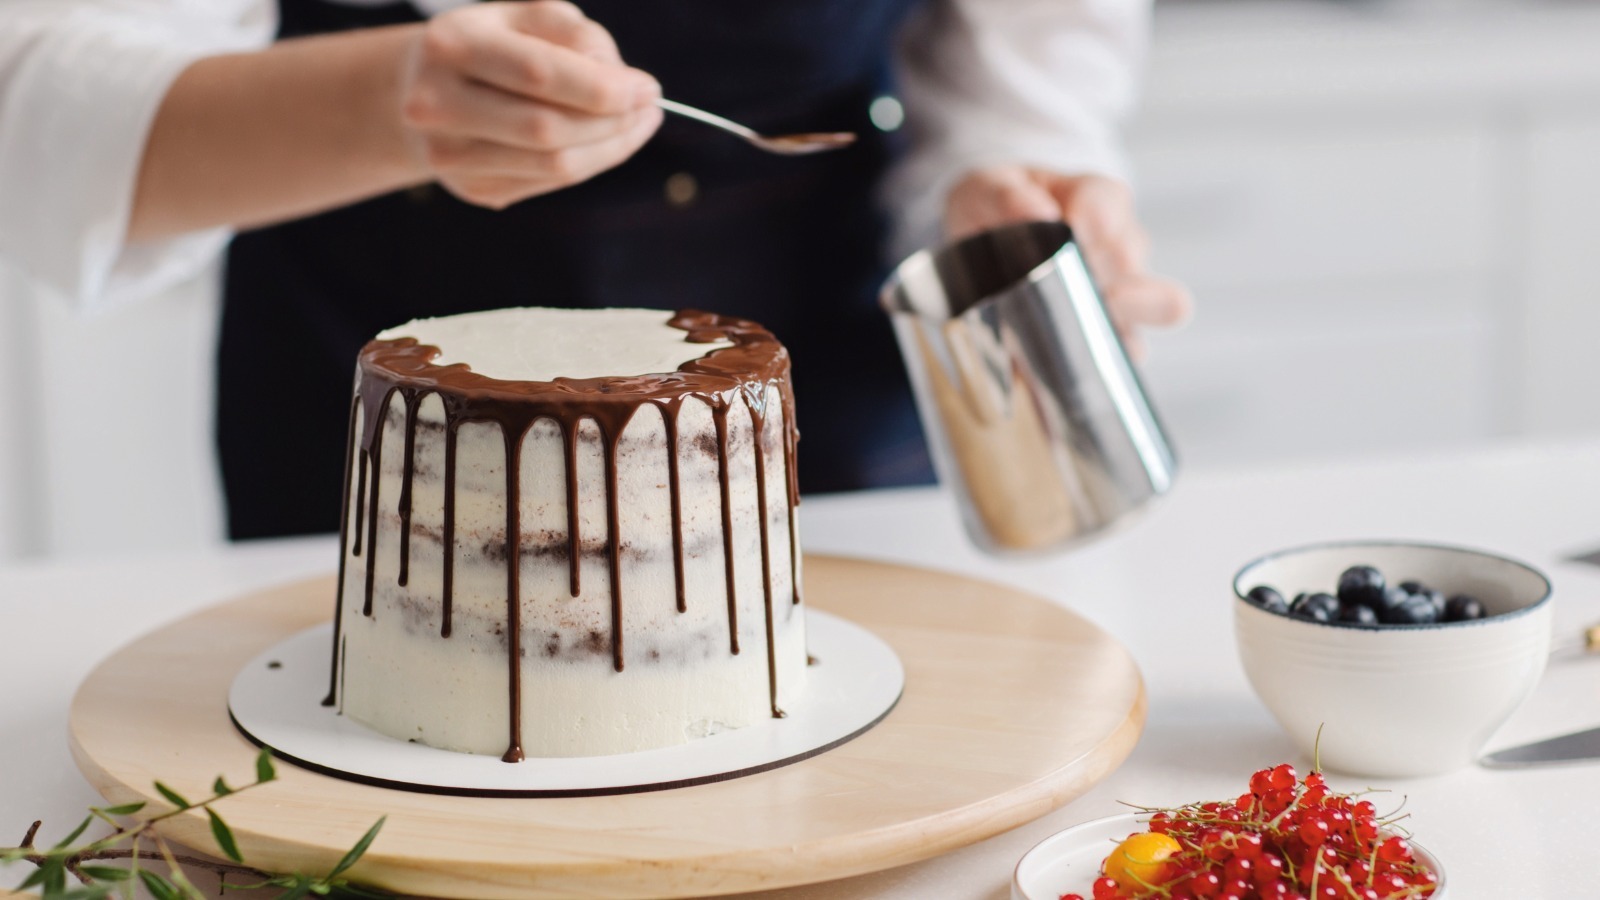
(251, 138)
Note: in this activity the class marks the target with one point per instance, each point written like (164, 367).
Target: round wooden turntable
(1012, 707)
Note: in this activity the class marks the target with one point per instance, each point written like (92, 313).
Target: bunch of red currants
(1286, 839)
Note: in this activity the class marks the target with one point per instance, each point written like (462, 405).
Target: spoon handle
(711, 119)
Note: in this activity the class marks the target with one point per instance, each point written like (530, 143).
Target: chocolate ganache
(750, 373)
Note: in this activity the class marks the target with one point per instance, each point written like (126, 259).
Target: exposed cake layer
(653, 559)
(546, 344)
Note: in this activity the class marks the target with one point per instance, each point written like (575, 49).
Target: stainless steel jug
(1035, 417)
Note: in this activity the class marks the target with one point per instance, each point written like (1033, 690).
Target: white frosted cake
(630, 580)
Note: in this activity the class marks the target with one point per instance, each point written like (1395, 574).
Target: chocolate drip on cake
(446, 602)
(745, 371)
(513, 586)
(759, 419)
(574, 545)
(375, 428)
(614, 544)
(669, 420)
(361, 491)
(344, 535)
(413, 400)
(719, 414)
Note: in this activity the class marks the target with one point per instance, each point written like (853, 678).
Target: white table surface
(1161, 586)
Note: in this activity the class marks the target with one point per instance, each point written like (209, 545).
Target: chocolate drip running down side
(744, 371)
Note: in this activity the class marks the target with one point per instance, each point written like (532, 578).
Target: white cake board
(276, 702)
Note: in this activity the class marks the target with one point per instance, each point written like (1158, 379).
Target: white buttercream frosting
(541, 344)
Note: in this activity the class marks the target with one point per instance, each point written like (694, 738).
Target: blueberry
(1461, 608)
(1317, 607)
(1358, 614)
(1413, 610)
(1268, 599)
(1393, 596)
(1418, 589)
(1363, 585)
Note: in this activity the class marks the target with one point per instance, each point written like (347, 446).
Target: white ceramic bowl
(1396, 700)
(1069, 861)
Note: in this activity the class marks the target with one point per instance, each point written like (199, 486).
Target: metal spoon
(784, 144)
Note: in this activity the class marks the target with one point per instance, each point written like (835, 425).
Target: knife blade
(1580, 746)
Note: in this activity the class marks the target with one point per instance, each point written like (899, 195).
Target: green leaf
(106, 873)
(55, 878)
(126, 809)
(159, 887)
(302, 887)
(264, 770)
(76, 833)
(173, 797)
(344, 889)
(220, 787)
(360, 848)
(224, 836)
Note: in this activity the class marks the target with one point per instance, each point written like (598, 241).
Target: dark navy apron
(696, 219)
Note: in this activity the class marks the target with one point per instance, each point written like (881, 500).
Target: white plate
(1068, 862)
(276, 702)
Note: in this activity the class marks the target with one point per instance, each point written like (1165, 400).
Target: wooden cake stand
(1012, 707)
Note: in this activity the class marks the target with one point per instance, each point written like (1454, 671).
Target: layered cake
(569, 533)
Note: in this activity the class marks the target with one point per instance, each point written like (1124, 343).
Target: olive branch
(66, 871)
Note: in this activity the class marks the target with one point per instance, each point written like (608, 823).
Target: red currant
(1314, 832)
(1106, 889)
(1261, 782)
(1395, 849)
(1283, 777)
(1269, 867)
(1275, 802)
(1071, 897)
(1203, 884)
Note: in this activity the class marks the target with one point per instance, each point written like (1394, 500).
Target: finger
(537, 68)
(493, 160)
(1134, 345)
(1100, 212)
(996, 197)
(563, 23)
(552, 170)
(467, 110)
(1148, 300)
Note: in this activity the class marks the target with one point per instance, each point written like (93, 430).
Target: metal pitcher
(1036, 418)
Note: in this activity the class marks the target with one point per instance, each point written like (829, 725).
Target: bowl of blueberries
(1406, 656)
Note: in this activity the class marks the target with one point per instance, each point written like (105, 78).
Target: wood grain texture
(1013, 706)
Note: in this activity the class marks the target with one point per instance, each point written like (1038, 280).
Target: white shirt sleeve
(1042, 83)
(80, 83)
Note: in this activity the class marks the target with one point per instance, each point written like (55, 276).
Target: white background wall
(1389, 211)
(104, 424)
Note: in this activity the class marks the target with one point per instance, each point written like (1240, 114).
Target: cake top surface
(541, 344)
